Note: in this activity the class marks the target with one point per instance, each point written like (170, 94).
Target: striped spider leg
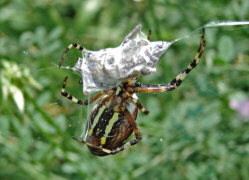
(176, 82)
(75, 45)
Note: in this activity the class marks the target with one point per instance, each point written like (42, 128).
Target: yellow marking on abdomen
(103, 140)
(96, 119)
(111, 122)
(90, 132)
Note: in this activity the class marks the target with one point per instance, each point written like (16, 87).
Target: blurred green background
(190, 133)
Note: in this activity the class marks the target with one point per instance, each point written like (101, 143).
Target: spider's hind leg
(176, 82)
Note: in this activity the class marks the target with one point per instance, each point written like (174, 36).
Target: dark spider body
(113, 118)
(111, 127)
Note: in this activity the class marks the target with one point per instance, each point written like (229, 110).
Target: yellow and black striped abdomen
(103, 121)
(108, 129)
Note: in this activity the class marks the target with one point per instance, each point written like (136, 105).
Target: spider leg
(121, 148)
(91, 145)
(139, 105)
(136, 131)
(176, 82)
(135, 101)
(108, 151)
(75, 45)
(86, 102)
(149, 34)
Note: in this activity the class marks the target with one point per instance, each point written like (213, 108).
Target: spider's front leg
(86, 102)
(176, 82)
(75, 45)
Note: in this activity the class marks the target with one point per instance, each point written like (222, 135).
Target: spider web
(135, 57)
(240, 106)
(238, 101)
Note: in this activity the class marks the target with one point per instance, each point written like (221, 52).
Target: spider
(113, 118)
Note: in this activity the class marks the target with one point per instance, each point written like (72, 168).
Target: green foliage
(191, 133)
